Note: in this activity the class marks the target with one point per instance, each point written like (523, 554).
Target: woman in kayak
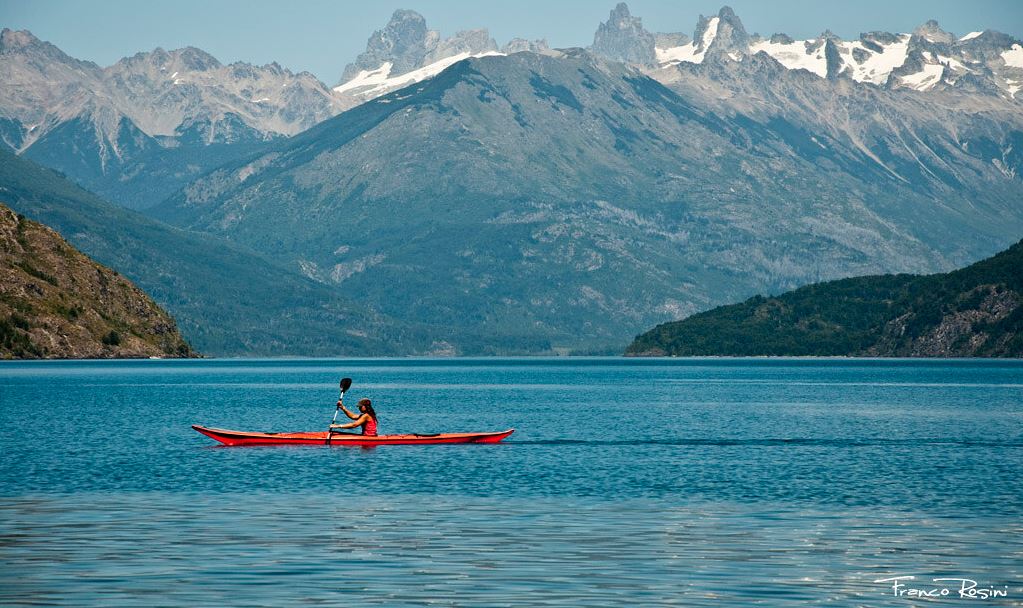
(367, 419)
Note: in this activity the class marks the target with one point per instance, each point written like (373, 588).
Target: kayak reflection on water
(367, 419)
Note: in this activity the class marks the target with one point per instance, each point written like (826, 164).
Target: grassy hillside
(976, 311)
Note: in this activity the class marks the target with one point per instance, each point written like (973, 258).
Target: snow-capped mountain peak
(405, 51)
(922, 60)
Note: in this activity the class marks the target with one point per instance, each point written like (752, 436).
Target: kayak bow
(320, 437)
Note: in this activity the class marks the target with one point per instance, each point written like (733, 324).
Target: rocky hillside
(56, 303)
(973, 312)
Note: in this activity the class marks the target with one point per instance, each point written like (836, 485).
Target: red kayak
(320, 438)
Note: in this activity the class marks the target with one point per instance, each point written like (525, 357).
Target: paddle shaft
(330, 429)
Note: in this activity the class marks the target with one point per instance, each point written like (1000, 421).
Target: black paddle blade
(346, 383)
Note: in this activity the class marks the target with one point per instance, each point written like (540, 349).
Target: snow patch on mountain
(406, 51)
(926, 78)
(370, 84)
(795, 55)
(710, 32)
(864, 60)
(875, 67)
(982, 61)
(1014, 56)
(678, 54)
(863, 63)
(694, 52)
(367, 78)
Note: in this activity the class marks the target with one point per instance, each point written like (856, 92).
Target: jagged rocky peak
(720, 37)
(405, 52)
(240, 69)
(731, 35)
(929, 57)
(622, 38)
(877, 41)
(932, 32)
(402, 42)
(407, 44)
(94, 123)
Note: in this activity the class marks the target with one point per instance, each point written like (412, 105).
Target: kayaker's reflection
(367, 419)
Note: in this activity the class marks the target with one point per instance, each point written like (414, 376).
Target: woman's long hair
(369, 408)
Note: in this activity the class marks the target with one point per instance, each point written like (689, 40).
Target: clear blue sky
(322, 36)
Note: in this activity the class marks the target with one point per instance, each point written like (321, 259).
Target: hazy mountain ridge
(227, 300)
(55, 303)
(972, 312)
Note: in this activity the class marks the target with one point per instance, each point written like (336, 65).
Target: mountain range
(138, 130)
(928, 58)
(573, 198)
(525, 199)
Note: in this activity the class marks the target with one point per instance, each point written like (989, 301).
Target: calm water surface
(643, 482)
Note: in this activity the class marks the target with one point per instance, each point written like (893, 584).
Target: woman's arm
(351, 425)
(345, 410)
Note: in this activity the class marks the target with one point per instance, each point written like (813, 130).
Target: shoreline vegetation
(976, 311)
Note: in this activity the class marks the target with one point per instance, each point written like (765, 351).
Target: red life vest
(369, 427)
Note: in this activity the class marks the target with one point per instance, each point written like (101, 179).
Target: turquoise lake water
(627, 482)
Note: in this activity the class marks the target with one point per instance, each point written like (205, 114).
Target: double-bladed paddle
(345, 384)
